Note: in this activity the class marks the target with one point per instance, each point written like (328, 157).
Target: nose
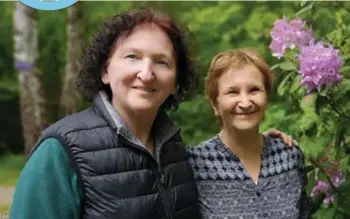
(245, 102)
(146, 74)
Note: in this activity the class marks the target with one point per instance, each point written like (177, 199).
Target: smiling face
(242, 98)
(141, 71)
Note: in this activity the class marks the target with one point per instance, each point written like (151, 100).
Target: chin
(143, 106)
(246, 126)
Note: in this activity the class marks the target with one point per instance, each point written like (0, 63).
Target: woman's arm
(48, 186)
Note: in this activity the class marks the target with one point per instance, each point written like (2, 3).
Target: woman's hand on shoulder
(288, 139)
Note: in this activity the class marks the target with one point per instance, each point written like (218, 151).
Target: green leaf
(310, 182)
(305, 9)
(323, 92)
(303, 3)
(275, 66)
(308, 103)
(343, 198)
(313, 146)
(287, 66)
(344, 163)
(324, 213)
(295, 85)
(345, 84)
(309, 168)
(317, 202)
(339, 132)
(283, 87)
(309, 121)
(345, 186)
(325, 164)
(291, 54)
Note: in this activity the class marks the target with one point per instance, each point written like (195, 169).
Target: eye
(255, 89)
(162, 62)
(131, 56)
(232, 92)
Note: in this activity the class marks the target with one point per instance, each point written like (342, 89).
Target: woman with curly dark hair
(95, 56)
(122, 158)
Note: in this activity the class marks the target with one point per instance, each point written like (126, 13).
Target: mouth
(245, 113)
(145, 89)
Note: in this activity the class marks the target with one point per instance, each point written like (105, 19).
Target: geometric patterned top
(227, 191)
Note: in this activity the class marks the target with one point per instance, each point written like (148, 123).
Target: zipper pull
(162, 179)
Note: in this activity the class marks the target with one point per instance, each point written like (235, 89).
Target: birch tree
(26, 54)
(70, 98)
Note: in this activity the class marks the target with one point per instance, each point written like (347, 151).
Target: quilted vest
(121, 179)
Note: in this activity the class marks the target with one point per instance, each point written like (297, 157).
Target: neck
(243, 142)
(139, 123)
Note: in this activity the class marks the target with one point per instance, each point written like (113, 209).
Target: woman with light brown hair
(241, 173)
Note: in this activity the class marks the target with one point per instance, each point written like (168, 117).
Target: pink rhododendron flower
(337, 177)
(320, 187)
(290, 34)
(319, 66)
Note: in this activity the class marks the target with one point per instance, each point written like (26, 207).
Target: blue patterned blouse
(227, 191)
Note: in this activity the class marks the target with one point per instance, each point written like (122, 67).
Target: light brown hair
(235, 59)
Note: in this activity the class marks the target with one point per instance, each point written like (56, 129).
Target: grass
(10, 168)
(4, 209)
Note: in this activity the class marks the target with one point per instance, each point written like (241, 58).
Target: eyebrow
(238, 87)
(157, 55)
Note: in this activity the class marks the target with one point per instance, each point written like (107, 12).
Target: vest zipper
(160, 178)
(160, 181)
(140, 148)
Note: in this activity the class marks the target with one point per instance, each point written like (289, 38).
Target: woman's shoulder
(203, 146)
(82, 120)
(278, 149)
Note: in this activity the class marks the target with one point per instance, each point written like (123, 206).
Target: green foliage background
(215, 26)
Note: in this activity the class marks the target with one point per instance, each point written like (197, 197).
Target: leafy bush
(313, 78)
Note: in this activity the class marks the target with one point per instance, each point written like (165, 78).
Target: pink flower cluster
(289, 34)
(319, 64)
(337, 177)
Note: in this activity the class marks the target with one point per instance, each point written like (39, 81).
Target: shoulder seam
(70, 155)
(83, 129)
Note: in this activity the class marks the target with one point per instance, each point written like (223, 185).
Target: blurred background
(39, 51)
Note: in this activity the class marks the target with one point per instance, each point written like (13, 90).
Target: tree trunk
(70, 99)
(26, 54)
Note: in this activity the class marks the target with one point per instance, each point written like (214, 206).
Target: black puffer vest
(120, 179)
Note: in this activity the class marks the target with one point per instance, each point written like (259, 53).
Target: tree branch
(340, 113)
(334, 188)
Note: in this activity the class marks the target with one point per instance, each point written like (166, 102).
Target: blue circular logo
(48, 4)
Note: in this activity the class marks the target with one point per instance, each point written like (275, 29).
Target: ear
(216, 110)
(104, 74)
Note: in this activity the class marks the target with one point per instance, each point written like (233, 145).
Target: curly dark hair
(95, 56)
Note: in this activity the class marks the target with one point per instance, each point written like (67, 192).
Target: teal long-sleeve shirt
(48, 186)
